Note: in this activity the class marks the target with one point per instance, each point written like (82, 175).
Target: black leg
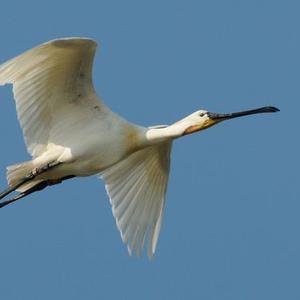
(11, 189)
(29, 177)
(38, 187)
(4, 203)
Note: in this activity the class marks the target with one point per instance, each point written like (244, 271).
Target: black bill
(221, 117)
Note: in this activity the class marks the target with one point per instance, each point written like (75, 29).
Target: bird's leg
(10, 189)
(4, 203)
(38, 187)
(42, 169)
(35, 172)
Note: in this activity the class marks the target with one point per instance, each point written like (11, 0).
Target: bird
(69, 132)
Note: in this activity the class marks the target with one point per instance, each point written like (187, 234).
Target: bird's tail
(16, 173)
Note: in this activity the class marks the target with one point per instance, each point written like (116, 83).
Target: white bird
(70, 132)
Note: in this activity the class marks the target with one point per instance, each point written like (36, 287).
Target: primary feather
(47, 81)
(137, 187)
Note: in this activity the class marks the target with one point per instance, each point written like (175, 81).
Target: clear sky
(231, 228)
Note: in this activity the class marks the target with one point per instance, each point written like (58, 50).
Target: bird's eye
(201, 114)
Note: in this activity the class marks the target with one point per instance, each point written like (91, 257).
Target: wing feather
(136, 187)
(48, 79)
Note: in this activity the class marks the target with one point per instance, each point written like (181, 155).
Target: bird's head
(203, 119)
(197, 121)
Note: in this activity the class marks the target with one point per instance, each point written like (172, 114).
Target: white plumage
(70, 132)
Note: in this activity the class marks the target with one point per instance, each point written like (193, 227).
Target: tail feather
(16, 173)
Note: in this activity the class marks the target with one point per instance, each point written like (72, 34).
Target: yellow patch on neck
(194, 128)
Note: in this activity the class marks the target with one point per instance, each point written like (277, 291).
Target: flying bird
(70, 132)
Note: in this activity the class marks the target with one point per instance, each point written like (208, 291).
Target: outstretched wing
(137, 187)
(48, 81)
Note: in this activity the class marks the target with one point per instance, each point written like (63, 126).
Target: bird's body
(97, 150)
(70, 133)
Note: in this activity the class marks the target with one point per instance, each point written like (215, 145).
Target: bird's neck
(157, 134)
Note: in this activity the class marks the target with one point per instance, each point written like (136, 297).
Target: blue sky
(231, 225)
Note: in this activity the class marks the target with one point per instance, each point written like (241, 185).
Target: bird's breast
(100, 149)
